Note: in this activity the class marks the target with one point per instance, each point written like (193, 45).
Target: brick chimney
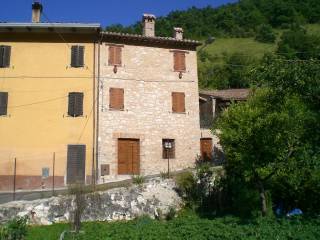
(148, 21)
(178, 33)
(36, 12)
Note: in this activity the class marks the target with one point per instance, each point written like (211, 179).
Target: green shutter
(77, 56)
(3, 103)
(75, 104)
(76, 161)
(6, 56)
(1, 55)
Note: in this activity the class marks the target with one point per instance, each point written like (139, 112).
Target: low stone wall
(152, 198)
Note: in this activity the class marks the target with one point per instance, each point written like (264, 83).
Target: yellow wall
(38, 82)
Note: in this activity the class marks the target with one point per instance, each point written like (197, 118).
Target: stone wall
(152, 198)
(148, 79)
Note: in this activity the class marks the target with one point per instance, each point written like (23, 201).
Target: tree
(275, 134)
(297, 44)
(226, 71)
(265, 34)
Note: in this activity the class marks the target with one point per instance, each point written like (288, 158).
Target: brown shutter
(179, 61)
(115, 53)
(111, 55)
(118, 52)
(116, 99)
(178, 102)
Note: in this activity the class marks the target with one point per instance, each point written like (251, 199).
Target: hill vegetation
(241, 19)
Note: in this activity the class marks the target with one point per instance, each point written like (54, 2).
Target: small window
(3, 103)
(179, 61)
(116, 98)
(168, 148)
(115, 53)
(5, 54)
(75, 106)
(77, 56)
(178, 102)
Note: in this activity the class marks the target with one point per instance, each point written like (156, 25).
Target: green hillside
(249, 46)
(227, 61)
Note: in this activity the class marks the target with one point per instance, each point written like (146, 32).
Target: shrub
(265, 34)
(187, 187)
(164, 175)
(138, 180)
(16, 229)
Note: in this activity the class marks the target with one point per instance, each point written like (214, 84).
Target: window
(168, 152)
(115, 55)
(77, 56)
(116, 98)
(178, 102)
(5, 53)
(3, 103)
(179, 61)
(75, 106)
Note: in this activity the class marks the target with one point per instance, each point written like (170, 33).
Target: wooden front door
(206, 149)
(128, 156)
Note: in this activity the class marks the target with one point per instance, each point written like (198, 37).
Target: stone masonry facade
(148, 78)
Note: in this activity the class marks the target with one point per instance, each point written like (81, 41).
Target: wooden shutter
(179, 61)
(80, 56)
(75, 105)
(5, 54)
(115, 55)
(74, 54)
(206, 148)
(76, 160)
(3, 103)
(77, 56)
(178, 102)
(116, 100)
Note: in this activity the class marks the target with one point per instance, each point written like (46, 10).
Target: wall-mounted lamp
(115, 69)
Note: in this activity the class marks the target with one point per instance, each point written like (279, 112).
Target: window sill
(69, 116)
(181, 113)
(5, 116)
(180, 71)
(117, 110)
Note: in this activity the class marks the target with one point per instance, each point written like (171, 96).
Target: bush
(187, 187)
(265, 34)
(138, 180)
(15, 229)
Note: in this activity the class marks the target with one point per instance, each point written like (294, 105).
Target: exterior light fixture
(115, 69)
(168, 146)
(180, 75)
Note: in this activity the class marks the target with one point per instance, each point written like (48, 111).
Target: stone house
(211, 104)
(148, 99)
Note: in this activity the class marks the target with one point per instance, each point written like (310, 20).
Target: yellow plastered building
(44, 125)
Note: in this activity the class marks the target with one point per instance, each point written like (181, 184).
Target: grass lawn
(189, 226)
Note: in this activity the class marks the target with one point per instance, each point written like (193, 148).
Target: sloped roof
(40, 27)
(228, 94)
(145, 40)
